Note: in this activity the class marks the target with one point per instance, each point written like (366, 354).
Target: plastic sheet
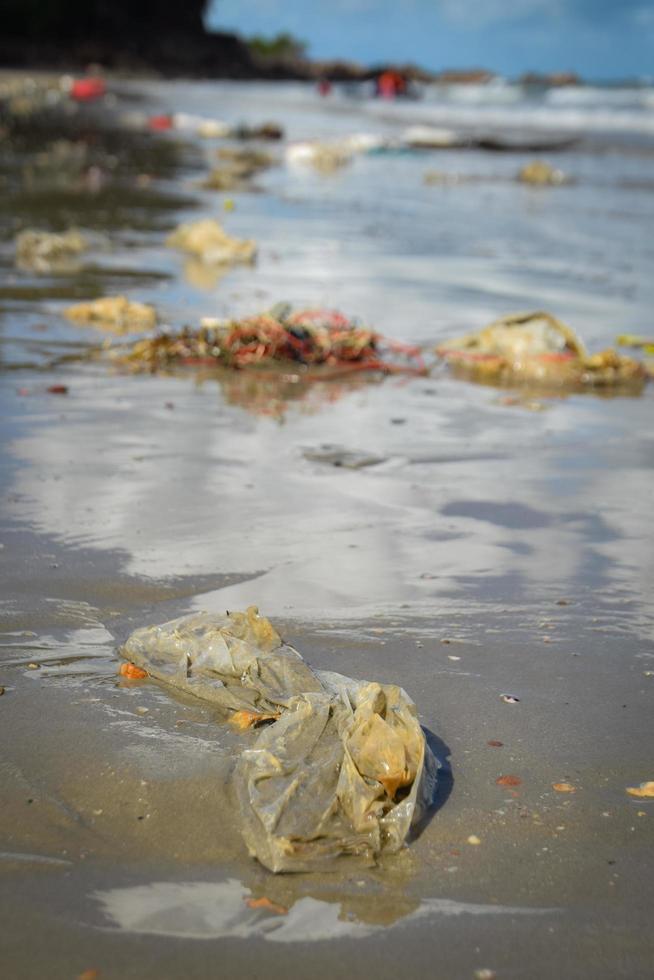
(536, 349)
(339, 767)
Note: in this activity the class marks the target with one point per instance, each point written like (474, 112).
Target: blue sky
(597, 38)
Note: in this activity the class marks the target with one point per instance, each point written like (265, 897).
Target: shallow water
(484, 549)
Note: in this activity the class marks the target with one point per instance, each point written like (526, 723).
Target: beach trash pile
(333, 767)
(537, 349)
(309, 338)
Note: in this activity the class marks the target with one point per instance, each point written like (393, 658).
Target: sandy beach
(465, 541)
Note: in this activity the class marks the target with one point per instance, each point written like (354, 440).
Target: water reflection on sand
(227, 909)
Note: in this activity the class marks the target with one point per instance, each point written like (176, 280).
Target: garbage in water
(341, 768)
(115, 313)
(87, 89)
(263, 131)
(323, 157)
(235, 169)
(432, 138)
(326, 156)
(541, 174)
(46, 251)
(314, 339)
(208, 241)
(537, 349)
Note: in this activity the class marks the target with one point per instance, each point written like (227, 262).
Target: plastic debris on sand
(209, 241)
(46, 251)
(537, 349)
(343, 771)
(115, 313)
(324, 340)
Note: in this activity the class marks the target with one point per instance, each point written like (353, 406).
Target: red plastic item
(87, 89)
(160, 123)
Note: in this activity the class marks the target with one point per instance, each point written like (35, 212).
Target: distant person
(324, 87)
(390, 84)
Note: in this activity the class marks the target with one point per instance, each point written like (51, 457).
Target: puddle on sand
(227, 909)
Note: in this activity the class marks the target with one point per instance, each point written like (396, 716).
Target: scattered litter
(207, 240)
(563, 602)
(508, 781)
(46, 251)
(509, 699)
(212, 128)
(115, 313)
(267, 904)
(57, 389)
(564, 787)
(474, 840)
(644, 791)
(235, 169)
(91, 974)
(132, 672)
(33, 666)
(541, 174)
(495, 743)
(630, 340)
(344, 769)
(485, 974)
(536, 348)
(324, 157)
(263, 131)
(87, 89)
(2, 691)
(160, 123)
(431, 138)
(313, 338)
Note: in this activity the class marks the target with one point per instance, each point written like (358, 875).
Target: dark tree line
(74, 20)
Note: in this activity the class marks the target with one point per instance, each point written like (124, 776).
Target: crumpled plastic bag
(209, 242)
(47, 251)
(341, 768)
(537, 349)
(115, 313)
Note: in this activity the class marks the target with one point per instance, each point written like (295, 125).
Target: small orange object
(87, 89)
(132, 672)
(564, 787)
(250, 719)
(89, 975)
(644, 791)
(508, 781)
(265, 903)
(58, 390)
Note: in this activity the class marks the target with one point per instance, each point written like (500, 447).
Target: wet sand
(485, 550)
